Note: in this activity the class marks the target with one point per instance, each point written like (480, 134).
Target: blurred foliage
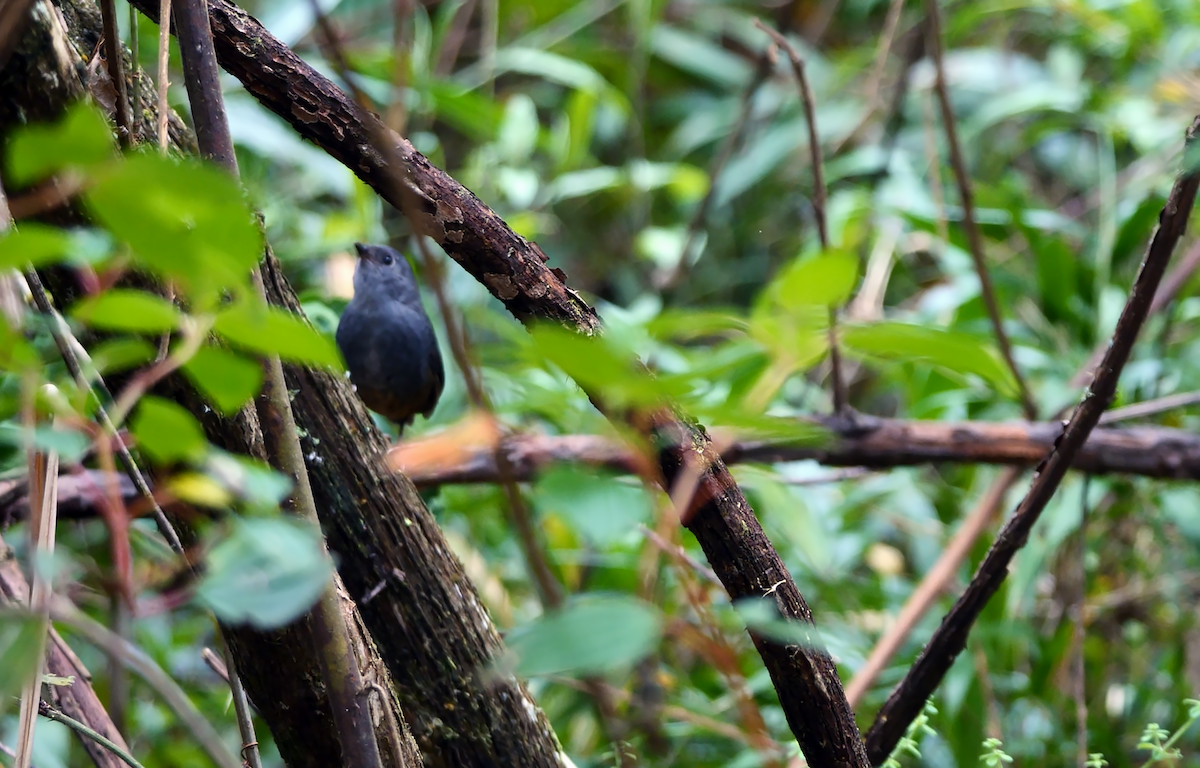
(594, 126)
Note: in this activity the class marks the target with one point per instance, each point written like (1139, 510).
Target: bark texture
(514, 271)
(278, 668)
(862, 442)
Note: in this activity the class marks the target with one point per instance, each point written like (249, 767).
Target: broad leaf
(82, 139)
(958, 352)
(124, 309)
(32, 244)
(18, 650)
(591, 634)
(166, 431)
(121, 354)
(268, 572)
(599, 506)
(826, 279)
(186, 222)
(270, 330)
(226, 379)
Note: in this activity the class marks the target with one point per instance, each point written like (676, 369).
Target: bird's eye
(387, 259)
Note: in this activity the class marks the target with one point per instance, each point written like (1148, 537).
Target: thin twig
(935, 582)
(818, 199)
(1078, 669)
(677, 551)
(100, 636)
(966, 198)
(733, 141)
(71, 351)
(114, 59)
(48, 196)
(906, 701)
(890, 25)
(194, 334)
(241, 708)
(1172, 284)
(48, 712)
(331, 636)
(43, 522)
(135, 95)
(164, 52)
(1150, 407)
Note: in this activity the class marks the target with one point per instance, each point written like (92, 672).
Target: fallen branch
(864, 442)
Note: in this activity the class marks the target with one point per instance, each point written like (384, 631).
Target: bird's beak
(362, 250)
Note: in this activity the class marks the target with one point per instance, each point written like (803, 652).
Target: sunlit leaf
(266, 573)
(82, 139)
(598, 506)
(248, 479)
(121, 353)
(123, 309)
(269, 330)
(226, 379)
(826, 279)
(200, 490)
(185, 221)
(32, 244)
(599, 366)
(166, 432)
(591, 634)
(958, 352)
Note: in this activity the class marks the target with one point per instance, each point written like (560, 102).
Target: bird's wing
(435, 374)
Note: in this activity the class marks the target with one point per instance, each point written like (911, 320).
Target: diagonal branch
(339, 667)
(950, 638)
(514, 271)
(974, 238)
(818, 199)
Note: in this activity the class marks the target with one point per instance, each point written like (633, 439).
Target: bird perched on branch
(387, 339)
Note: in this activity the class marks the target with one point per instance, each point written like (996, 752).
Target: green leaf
(186, 222)
(70, 444)
(226, 379)
(166, 431)
(270, 330)
(33, 244)
(591, 634)
(121, 354)
(598, 365)
(125, 309)
(16, 354)
(82, 139)
(826, 279)
(958, 352)
(598, 505)
(18, 650)
(266, 573)
(249, 479)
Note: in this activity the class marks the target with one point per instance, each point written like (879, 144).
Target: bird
(387, 339)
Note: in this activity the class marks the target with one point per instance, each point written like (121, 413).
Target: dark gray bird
(387, 339)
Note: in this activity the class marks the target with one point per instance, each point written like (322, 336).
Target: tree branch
(950, 638)
(868, 442)
(339, 667)
(514, 271)
(967, 199)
